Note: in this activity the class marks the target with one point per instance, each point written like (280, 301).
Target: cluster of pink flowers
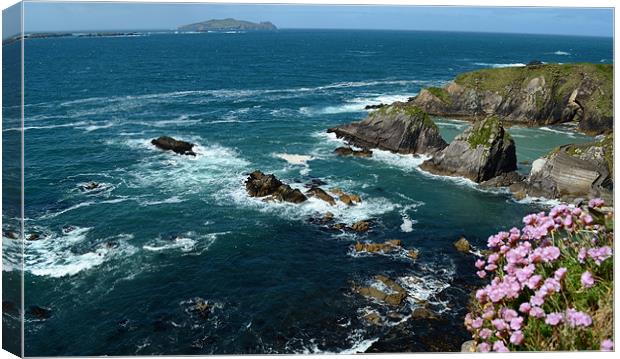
(525, 262)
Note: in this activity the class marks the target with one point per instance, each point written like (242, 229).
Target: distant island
(228, 25)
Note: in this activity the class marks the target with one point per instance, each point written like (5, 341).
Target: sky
(48, 16)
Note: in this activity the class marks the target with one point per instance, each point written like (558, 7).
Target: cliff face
(398, 128)
(572, 171)
(532, 95)
(482, 152)
(227, 25)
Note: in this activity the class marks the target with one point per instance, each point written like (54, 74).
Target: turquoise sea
(120, 268)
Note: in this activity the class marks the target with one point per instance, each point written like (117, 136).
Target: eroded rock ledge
(533, 95)
(482, 152)
(399, 128)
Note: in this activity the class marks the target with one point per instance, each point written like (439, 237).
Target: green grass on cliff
(576, 150)
(440, 93)
(484, 130)
(416, 113)
(560, 80)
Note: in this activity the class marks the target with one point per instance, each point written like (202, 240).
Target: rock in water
(259, 184)
(319, 193)
(482, 152)
(462, 245)
(361, 226)
(170, 144)
(572, 171)
(399, 128)
(348, 151)
(537, 94)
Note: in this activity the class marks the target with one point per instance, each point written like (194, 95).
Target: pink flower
(587, 280)
(509, 314)
(500, 347)
(477, 323)
(484, 347)
(534, 281)
(481, 273)
(480, 264)
(600, 254)
(485, 333)
(537, 300)
(554, 318)
(582, 255)
(587, 219)
(607, 345)
(515, 323)
(537, 312)
(595, 203)
(525, 308)
(499, 324)
(516, 338)
(549, 254)
(560, 273)
(577, 319)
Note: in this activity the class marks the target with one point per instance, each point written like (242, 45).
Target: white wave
(173, 199)
(407, 225)
(357, 104)
(294, 159)
(555, 130)
(539, 201)
(564, 53)
(517, 64)
(184, 244)
(47, 127)
(401, 161)
(52, 256)
(424, 289)
(189, 242)
(82, 204)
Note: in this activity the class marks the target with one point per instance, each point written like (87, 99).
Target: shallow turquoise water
(167, 229)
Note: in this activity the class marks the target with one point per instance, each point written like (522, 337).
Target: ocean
(122, 267)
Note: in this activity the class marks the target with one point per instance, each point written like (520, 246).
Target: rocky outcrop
(391, 292)
(228, 24)
(386, 247)
(462, 245)
(482, 152)
(571, 172)
(348, 151)
(399, 128)
(533, 95)
(259, 184)
(170, 144)
(319, 193)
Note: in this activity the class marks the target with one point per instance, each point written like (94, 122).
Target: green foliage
(483, 131)
(440, 93)
(416, 113)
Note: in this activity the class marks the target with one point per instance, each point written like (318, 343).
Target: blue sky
(140, 16)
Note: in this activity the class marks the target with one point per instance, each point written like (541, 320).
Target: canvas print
(195, 178)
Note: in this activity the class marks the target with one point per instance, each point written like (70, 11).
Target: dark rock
(374, 107)
(462, 245)
(33, 237)
(259, 184)
(399, 128)
(423, 313)
(10, 234)
(537, 94)
(394, 298)
(386, 247)
(413, 254)
(483, 151)
(170, 144)
(90, 186)
(39, 312)
(534, 63)
(373, 318)
(68, 229)
(315, 182)
(503, 180)
(468, 347)
(361, 226)
(319, 193)
(348, 151)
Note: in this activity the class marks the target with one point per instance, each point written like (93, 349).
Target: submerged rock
(423, 313)
(177, 146)
(321, 194)
(374, 107)
(33, 237)
(399, 128)
(90, 186)
(503, 180)
(39, 312)
(10, 234)
(483, 151)
(348, 151)
(572, 172)
(259, 184)
(373, 318)
(537, 94)
(462, 245)
(346, 198)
